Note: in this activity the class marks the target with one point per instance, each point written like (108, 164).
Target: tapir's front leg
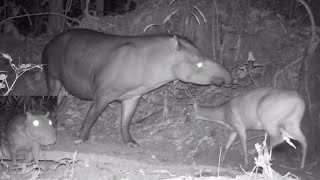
(129, 107)
(96, 108)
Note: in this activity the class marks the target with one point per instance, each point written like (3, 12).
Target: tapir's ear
(29, 115)
(175, 42)
(47, 114)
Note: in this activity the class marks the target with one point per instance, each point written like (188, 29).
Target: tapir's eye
(50, 123)
(199, 65)
(36, 123)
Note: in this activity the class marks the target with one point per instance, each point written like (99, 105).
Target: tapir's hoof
(78, 141)
(133, 143)
(81, 137)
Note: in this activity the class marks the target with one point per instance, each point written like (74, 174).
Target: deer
(273, 110)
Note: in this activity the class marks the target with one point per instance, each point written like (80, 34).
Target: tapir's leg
(55, 88)
(129, 107)
(61, 96)
(96, 108)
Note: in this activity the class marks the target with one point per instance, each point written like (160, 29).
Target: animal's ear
(174, 41)
(29, 116)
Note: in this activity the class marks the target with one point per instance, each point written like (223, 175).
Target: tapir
(104, 68)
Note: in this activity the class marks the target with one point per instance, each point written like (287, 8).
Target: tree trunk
(55, 22)
(100, 8)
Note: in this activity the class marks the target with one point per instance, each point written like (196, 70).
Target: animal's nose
(225, 78)
(218, 81)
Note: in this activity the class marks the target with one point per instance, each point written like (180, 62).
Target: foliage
(21, 104)
(26, 25)
(19, 71)
(70, 164)
(29, 168)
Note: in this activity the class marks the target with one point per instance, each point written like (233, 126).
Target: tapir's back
(70, 49)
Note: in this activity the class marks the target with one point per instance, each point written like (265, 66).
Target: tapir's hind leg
(55, 88)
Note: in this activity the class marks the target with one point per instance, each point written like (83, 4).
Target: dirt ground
(169, 149)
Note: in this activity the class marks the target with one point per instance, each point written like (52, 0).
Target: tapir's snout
(221, 78)
(218, 81)
(219, 75)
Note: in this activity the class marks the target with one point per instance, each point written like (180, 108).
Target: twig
(238, 46)
(313, 42)
(190, 95)
(308, 50)
(249, 139)
(218, 30)
(140, 121)
(165, 104)
(16, 78)
(249, 72)
(30, 22)
(213, 34)
(219, 161)
(201, 13)
(68, 7)
(275, 77)
(39, 14)
(308, 93)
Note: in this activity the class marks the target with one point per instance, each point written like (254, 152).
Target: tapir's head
(192, 66)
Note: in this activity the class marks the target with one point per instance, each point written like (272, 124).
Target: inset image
(28, 125)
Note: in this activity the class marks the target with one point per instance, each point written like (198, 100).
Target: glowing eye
(36, 123)
(50, 123)
(199, 65)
